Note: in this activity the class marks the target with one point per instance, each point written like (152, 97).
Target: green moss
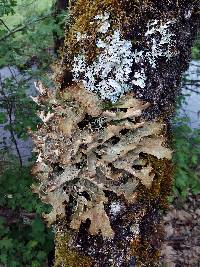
(107, 105)
(162, 183)
(83, 13)
(67, 257)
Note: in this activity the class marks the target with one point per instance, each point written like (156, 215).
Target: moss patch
(162, 183)
(66, 256)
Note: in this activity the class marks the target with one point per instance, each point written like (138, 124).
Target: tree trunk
(104, 146)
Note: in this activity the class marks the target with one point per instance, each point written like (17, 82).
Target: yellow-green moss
(162, 183)
(67, 257)
(83, 14)
(143, 249)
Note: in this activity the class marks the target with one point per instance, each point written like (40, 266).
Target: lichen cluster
(117, 67)
(116, 46)
(85, 149)
(168, 23)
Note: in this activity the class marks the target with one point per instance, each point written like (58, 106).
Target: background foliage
(27, 32)
(186, 144)
(196, 49)
(25, 241)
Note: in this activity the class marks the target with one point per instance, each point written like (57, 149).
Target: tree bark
(104, 147)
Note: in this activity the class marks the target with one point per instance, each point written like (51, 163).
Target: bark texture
(104, 159)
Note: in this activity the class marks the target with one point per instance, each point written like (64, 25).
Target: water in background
(192, 87)
(24, 146)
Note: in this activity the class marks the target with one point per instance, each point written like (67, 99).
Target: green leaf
(3, 118)
(6, 243)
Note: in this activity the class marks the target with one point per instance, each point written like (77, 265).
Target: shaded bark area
(137, 228)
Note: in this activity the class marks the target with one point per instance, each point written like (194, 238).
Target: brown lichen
(93, 156)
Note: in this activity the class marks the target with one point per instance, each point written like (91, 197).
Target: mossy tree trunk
(104, 146)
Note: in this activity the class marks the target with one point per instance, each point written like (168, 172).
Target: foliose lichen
(76, 158)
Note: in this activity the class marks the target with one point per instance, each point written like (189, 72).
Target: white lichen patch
(115, 208)
(104, 22)
(80, 36)
(109, 74)
(138, 56)
(139, 78)
(188, 14)
(135, 229)
(161, 40)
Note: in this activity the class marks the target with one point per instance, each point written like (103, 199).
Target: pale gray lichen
(160, 39)
(188, 14)
(104, 23)
(115, 208)
(109, 74)
(135, 229)
(80, 36)
(139, 78)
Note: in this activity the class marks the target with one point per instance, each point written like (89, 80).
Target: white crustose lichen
(115, 208)
(109, 74)
(160, 38)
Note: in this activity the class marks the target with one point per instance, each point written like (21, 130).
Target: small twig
(176, 238)
(192, 81)
(192, 90)
(195, 65)
(21, 28)
(5, 25)
(13, 75)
